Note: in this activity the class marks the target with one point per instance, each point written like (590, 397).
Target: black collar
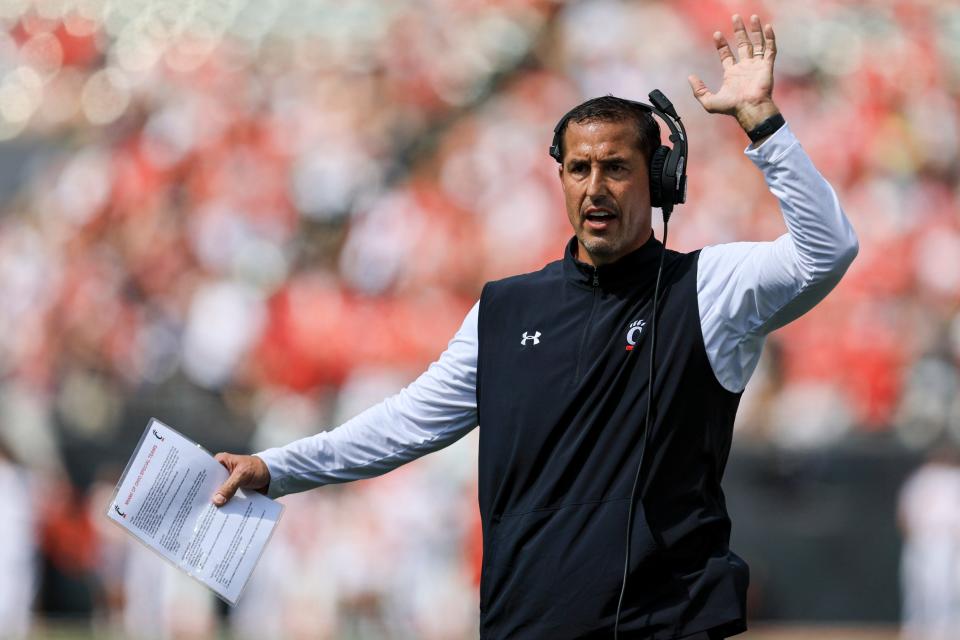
(637, 266)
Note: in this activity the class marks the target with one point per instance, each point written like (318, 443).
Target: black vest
(562, 383)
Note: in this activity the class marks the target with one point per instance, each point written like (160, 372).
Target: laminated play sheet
(163, 500)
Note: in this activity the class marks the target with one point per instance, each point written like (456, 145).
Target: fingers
(770, 43)
(744, 46)
(756, 37)
(723, 50)
(758, 42)
(700, 91)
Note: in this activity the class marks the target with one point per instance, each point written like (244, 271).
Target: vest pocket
(562, 567)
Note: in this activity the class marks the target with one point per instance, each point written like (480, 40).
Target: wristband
(767, 127)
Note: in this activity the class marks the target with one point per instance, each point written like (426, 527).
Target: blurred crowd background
(252, 220)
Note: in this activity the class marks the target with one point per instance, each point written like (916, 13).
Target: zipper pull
(596, 278)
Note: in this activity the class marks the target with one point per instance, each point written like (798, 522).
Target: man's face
(606, 188)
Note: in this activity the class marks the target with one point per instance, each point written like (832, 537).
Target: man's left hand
(747, 89)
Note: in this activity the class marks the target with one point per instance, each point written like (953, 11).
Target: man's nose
(596, 185)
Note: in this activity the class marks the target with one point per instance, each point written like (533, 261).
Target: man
(553, 364)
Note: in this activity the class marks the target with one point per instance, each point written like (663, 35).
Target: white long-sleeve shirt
(745, 290)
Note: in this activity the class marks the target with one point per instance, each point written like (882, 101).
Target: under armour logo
(535, 337)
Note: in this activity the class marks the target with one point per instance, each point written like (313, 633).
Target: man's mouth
(599, 218)
(599, 215)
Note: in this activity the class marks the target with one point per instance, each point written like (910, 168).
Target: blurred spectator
(111, 559)
(68, 542)
(161, 602)
(17, 553)
(929, 516)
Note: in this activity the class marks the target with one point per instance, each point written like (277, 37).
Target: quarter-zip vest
(562, 384)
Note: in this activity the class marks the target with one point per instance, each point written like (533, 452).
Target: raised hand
(747, 89)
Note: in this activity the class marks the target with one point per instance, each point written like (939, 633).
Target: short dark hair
(610, 108)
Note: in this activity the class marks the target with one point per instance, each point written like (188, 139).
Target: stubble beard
(601, 250)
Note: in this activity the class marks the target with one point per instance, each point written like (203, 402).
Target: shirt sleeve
(435, 410)
(745, 290)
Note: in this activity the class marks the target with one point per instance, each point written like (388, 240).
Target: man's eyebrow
(607, 160)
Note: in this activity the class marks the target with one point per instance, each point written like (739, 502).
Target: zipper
(586, 327)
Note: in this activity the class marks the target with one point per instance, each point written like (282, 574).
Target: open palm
(747, 88)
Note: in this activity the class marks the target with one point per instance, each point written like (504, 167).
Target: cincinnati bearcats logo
(535, 337)
(158, 436)
(117, 509)
(633, 333)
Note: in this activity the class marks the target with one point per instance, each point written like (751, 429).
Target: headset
(668, 165)
(668, 186)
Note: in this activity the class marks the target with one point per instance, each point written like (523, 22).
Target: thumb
(703, 95)
(232, 483)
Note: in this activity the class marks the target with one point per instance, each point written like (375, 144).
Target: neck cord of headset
(646, 428)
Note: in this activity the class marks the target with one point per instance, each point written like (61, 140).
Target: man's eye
(618, 168)
(578, 167)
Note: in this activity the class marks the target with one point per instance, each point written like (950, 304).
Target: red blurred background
(254, 219)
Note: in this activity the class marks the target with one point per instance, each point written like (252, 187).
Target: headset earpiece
(658, 162)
